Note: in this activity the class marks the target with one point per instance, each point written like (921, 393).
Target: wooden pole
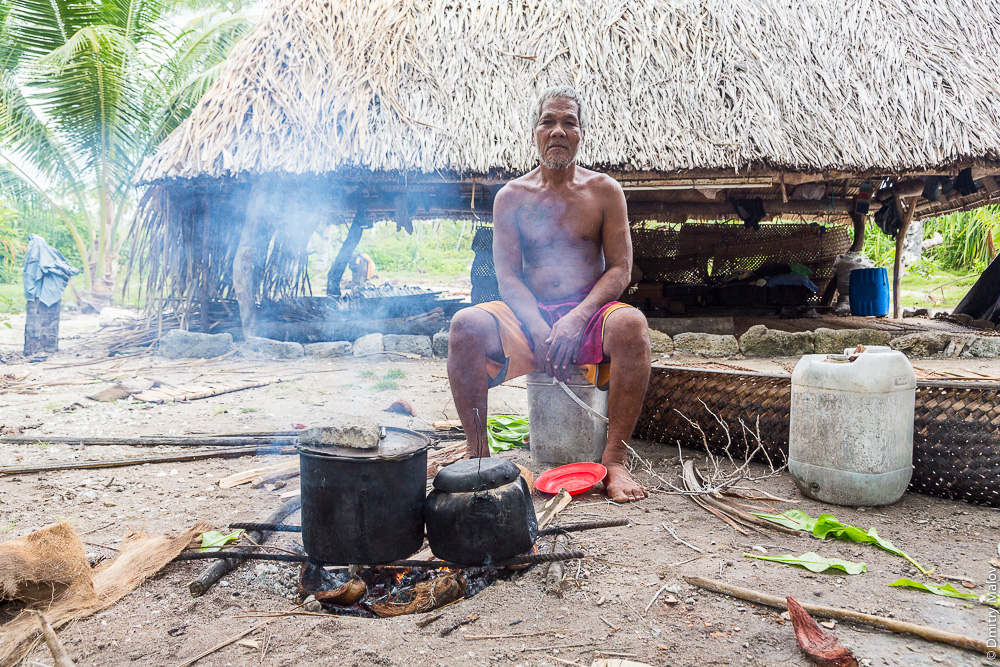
(859, 231)
(892, 625)
(243, 261)
(346, 251)
(897, 267)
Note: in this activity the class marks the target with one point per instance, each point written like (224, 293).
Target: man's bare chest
(552, 224)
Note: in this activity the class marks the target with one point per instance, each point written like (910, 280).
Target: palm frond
(41, 26)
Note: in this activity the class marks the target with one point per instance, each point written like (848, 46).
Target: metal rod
(281, 527)
(532, 559)
(588, 525)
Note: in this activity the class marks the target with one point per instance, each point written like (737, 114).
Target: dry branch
(59, 655)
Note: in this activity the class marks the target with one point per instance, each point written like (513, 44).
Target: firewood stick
(217, 570)
(902, 627)
(555, 505)
(222, 453)
(227, 642)
(152, 441)
(557, 569)
(59, 654)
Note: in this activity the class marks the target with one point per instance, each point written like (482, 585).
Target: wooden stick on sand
(902, 627)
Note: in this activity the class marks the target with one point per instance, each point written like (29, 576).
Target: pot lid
(398, 443)
(475, 475)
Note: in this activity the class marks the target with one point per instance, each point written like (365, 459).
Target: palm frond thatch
(323, 86)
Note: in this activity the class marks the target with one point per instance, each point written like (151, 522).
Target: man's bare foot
(619, 485)
(471, 453)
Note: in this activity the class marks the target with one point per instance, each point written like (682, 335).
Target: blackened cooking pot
(364, 506)
(480, 512)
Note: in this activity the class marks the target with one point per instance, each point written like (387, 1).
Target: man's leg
(626, 342)
(473, 337)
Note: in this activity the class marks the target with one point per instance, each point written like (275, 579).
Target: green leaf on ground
(506, 431)
(816, 563)
(827, 525)
(214, 540)
(947, 589)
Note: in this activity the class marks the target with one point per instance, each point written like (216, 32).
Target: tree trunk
(243, 262)
(41, 328)
(897, 268)
(336, 273)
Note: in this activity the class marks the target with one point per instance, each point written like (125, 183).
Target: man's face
(558, 134)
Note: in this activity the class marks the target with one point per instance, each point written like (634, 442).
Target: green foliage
(395, 374)
(12, 245)
(827, 525)
(385, 385)
(440, 247)
(214, 540)
(816, 563)
(87, 90)
(506, 431)
(966, 245)
(946, 590)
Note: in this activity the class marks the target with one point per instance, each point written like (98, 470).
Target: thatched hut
(359, 110)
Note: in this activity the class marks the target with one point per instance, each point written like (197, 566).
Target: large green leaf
(214, 540)
(827, 525)
(947, 590)
(815, 563)
(506, 431)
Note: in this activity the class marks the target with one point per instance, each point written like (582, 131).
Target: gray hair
(561, 93)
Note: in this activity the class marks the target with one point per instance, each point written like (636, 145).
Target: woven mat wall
(691, 253)
(956, 433)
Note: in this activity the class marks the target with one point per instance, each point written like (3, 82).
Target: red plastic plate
(575, 478)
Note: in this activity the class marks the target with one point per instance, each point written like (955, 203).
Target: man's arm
(510, 272)
(616, 241)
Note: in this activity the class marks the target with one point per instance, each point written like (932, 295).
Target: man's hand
(564, 344)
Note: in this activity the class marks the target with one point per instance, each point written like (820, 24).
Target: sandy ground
(602, 612)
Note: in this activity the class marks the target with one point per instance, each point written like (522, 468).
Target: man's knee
(627, 330)
(472, 327)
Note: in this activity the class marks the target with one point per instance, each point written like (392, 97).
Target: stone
(355, 432)
(180, 344)
(759, 341)
(923, 344)
(675, 325)
(961, 318)
(407, 344)
(331, 350)
(370, 344)
(982, 324)
(711, 345)
(439, 343)
(87, 496)
(266, 348)
(835, 341)
(982, 346)
(660, 342)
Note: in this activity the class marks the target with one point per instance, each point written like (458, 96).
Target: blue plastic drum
(870, 292)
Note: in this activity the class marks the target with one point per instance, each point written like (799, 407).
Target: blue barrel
(870, 292)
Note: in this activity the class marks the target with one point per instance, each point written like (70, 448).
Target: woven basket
(956, 430)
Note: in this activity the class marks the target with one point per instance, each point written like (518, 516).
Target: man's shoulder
(599, 180)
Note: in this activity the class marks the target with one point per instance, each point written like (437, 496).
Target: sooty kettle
(480, 512)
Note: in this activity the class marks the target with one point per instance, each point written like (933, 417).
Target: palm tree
(88, 88)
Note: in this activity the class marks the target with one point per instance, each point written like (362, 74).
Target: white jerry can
(850, 439)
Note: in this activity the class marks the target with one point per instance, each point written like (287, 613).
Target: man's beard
(558, 165)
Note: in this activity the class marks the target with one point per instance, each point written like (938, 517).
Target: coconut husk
(48, 569)
(424, 597)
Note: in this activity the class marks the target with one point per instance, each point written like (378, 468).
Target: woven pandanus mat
(956, 430)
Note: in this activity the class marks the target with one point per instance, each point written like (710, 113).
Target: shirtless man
(563, 253)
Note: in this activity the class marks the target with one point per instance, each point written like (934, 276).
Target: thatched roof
(425, 86)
